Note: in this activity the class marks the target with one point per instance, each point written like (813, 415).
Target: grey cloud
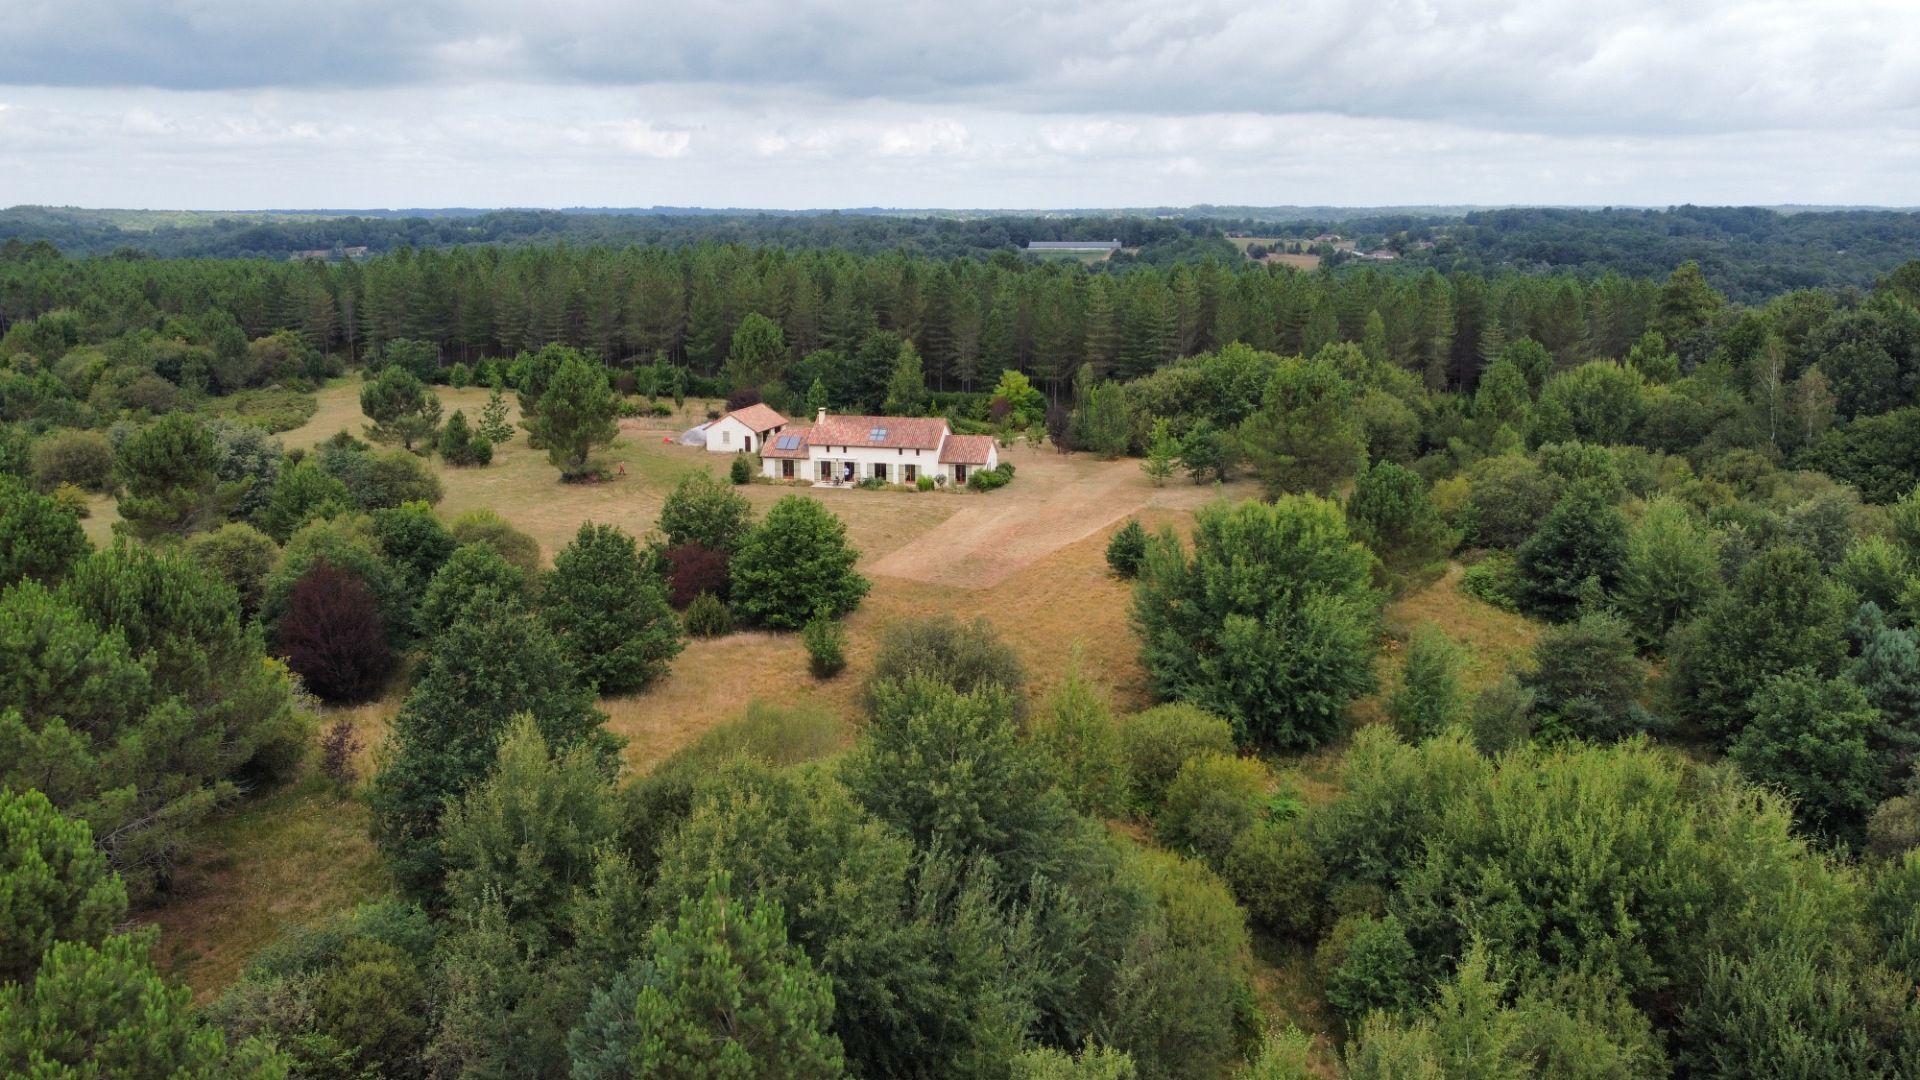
(1633, 66)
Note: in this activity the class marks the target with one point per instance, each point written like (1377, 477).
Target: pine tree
(1306, 436)
(576, 414)
(1428, 700)
(401, 408)
(1163, 450)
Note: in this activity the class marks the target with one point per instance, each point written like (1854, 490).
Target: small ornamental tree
(1583, 540)
(1163, 453)
(494, 426)
(609, 612)
(728, 996)
(332, 635)
(693, 569)
(1270, 623)
(460, 445)
(794, 565)
(577, 414)
(826, 645)
(54, 884)
(1128, 549)
(402, 409)
(741, 471)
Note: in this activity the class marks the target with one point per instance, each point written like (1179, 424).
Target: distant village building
(1108, 246)
(332, 254)
(843, 450)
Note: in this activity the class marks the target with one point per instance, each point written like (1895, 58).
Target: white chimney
(821, 416)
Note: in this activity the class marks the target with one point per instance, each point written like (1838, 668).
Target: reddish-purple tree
(333, 636)
(693, 569)
(743, 397)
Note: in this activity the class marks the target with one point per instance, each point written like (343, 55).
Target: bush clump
(1159, 741)
(1212, 800)
(826, 645)
(1128, 549)
(708, 616)
(741, 471)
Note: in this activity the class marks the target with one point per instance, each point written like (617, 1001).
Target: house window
(826, 471)
(909, 473)
(959, 474)
(786, 469)
(880, 471)
(726, 438)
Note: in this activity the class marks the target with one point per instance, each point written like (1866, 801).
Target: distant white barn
(743, 431)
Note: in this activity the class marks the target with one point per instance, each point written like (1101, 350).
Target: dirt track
(1054, 501)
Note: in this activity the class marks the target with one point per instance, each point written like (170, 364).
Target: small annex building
(843, 450)
(744, 430)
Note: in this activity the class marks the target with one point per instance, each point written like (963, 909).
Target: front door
(909, 473)
(786, 469)
(959, 474)
(880, 471)
(749, 444)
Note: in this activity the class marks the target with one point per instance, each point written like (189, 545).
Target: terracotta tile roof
(902, 432)
(779, 446)
(757, 417)
(966, 450)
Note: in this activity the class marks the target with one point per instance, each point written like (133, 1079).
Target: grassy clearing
(1031, 558)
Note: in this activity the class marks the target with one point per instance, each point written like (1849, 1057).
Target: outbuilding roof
(791, 443)
(757, 417)
(966, 450)
(892, 432)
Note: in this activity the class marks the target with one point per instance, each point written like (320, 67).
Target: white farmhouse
(743, 431)
(840, 450)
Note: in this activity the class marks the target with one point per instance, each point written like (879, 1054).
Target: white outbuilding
(743, 431)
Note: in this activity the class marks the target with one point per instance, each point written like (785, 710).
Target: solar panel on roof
(788, 442)
(877, 434)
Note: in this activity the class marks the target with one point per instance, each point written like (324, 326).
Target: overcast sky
(246, 104)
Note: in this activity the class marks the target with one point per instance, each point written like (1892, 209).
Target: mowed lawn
(1030, 558)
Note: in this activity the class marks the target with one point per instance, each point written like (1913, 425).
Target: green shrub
(73, 500)
(484, 526)
(1212, 800)
(986, 479)
(1128, 549)
(826, 643)
(707, 617)
(1428, 697)
(1370, 965)
(70, 456)
(1279, 878)
(1159, 741)
(1075, 729)
(1587, 681)
(1492, 579)
(964, 656)
(1502, 716)
(460, 376)
(741, 471)
(925, 483)
(661, 408)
